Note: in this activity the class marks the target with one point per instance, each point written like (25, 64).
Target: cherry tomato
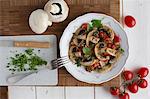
(114, 91)
(107, 39)
(133, 87)
(130, 21)
(113, 46)
(124, 96)
(127, 75)
(142, 83)
(105, 54)
(143, 72)
(109, 45)
(104, 60)
(101, 34)
(116, 38)
(96, 65)
(84, 26)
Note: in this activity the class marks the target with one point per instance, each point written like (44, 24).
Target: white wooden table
(139, 56)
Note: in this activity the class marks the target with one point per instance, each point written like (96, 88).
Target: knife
(34, 44)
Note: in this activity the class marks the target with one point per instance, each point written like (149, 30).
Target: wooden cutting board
(14, 21)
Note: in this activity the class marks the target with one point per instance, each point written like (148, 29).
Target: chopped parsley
(78, 62)
(25, 61)
(121, 50)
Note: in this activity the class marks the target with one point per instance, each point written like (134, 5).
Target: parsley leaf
(121, 50)
(96, 23)
(90, 27)
(78, 62)
(86, 50)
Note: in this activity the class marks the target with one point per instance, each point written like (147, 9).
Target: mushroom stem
(49, 23)
(55, 9)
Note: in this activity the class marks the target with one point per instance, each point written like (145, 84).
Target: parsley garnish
(86, 50)
(78, 62)
(25, 61)
(96, 23)
(121, 50)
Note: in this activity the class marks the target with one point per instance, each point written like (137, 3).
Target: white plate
(79, 72)
(44, 77)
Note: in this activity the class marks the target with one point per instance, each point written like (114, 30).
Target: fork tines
(59, 62)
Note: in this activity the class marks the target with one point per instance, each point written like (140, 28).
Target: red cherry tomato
(127, 75)
(84, 26)
(107, 39)
(95, 65)
(114, 91)
(109, 45)
(130, 21)
(142, 83)
(113, 46)
(124, 96)
(133, 87)
(116, 38)
(143, 72)
(101, 34)
(105, 54)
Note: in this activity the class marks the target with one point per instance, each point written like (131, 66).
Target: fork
(59, 62)
(55, 64)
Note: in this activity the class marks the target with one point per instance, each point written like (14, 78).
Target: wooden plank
(3, 92)
(66, 79)
(14, 21)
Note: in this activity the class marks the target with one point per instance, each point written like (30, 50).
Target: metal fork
(59, 62)
(55, 64)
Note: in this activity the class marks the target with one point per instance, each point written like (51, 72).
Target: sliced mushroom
(112, 61)
(98, 53)
(108, 57)
(105, 68)
(88, 63)
(102, 50)
(78, 31)
(75, 41)
(82, 43)
(112, 34)
(83, 37)
(96, 64)
(78, 54)
(118, 55)
(102, 44)
(111, 51)
(94, 39)
(89, 35)
(103, 63)
(71, 54)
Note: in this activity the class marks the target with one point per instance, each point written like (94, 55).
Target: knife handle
(33, 44)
